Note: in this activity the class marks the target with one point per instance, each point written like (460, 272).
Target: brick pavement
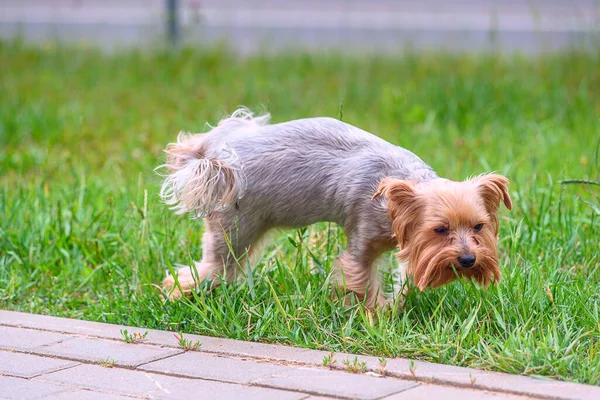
(58, 358)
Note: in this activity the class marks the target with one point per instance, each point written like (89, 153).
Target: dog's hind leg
(227, 240)
(189, 277)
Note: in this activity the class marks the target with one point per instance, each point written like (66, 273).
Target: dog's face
(443, 226)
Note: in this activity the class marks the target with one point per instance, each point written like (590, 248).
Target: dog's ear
(494, 189)
(403, 205)
(395, 190)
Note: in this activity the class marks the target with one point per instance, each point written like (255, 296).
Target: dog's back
(313, 165)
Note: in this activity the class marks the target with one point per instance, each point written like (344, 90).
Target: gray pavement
(58, 358)
(348, 26)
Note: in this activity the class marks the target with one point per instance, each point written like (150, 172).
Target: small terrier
(245, 177)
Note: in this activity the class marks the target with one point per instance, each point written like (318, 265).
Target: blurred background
(345, 25)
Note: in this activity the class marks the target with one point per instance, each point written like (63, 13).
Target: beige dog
(245, 177)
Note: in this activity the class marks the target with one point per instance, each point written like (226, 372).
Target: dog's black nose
(466, 260)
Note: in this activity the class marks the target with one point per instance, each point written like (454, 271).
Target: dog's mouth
(460, 268)
(477, 272)
(482, 272)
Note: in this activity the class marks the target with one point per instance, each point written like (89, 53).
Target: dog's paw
(170, 290)
(183, 286)
(391, 303)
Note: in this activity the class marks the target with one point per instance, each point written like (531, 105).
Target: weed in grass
(133, 337)
(107, 362)
(84, 235)
(382, 366)
(329, 361)
(186, 344)
(473, 379)
(355, 366)
(413, 369)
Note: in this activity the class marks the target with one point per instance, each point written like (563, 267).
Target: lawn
(84, 235)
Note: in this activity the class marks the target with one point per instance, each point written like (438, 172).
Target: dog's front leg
(358, 275)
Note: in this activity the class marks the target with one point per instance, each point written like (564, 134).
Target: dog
(246, 176)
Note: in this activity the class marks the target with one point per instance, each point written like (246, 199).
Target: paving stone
(318, 398)
(446, 374)
(27, 365)
(428, 392)
(198, 388)
(95, 350)
(57, 324)
(27, 339)
(114, 380)
(335, 383)
(493, 381)
(198, 365)
(260, 350)
(81, 394)
(25, 389)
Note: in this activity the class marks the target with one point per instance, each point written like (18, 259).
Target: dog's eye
(441, 230)
(477, 227)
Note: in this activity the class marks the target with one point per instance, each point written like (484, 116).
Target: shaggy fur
(246, 177)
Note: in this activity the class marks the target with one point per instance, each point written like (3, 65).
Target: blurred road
(345, 25)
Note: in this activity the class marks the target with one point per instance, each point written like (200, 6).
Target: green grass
(83, 233)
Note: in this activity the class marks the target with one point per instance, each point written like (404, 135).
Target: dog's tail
(204, 173)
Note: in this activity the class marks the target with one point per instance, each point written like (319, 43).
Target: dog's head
(444, 226)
